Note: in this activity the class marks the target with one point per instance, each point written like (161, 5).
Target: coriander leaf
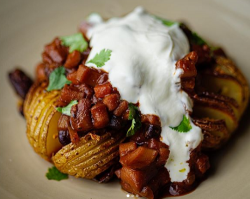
(166, 22)
(66, 110)
(131, 130)
(57, 79)
(54, 174)
(132, 111)
(184, 126)
(75, 42)
(213, 48)
(136, 120)
(101, 58)
(196, 39)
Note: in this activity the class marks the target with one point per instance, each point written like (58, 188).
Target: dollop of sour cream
(142, 67)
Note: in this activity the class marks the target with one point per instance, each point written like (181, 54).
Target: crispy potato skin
(41, 117)
(87, 158)
(90, 156)
(222, 94)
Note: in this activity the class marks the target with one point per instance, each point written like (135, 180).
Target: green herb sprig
(165, 21)
(136, 120)
(184, 126)
(57, 79)
(66, 110)
(75, 42)
(54, 174)
(101, 58)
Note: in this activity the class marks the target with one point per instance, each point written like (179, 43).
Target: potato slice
(41, 112)
(30, 106)
(225, 66)
(224, 85)
(42, 120)
(30, 95)
(235, 84)
(215, 132)
(203, 111)
(205, 107)
(48, 142)
(89, 157)
(223, 95)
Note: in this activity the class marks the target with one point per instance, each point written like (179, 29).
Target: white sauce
(142, 67)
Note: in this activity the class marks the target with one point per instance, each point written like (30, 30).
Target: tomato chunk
(122, 107)
(100, 115)
(80, 116)
(112, 101)
(127, 147)
(139, 158)
(102, 90)
(73, 59)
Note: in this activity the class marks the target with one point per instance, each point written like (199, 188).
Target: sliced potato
(42, 120)
(89, 157)
(235, 84)
(34, 99)
(48, 142)
(224, 85)
(205, 107)
(30, 95)
(41, 112)
(215, 132)
(226, 66)
(223, 95)
(203, 111)
(29, 105)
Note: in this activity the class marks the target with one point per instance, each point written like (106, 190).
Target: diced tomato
(112, 101)
(102, 90)
(122, 107)
(100, 115)
(73, 59)
(127, 147)
(80, 116)
(139, 158)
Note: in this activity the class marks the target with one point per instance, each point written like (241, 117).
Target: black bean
(64, 137)
(152, 131)
(116, 122)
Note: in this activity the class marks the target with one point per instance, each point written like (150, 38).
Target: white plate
(26, 26)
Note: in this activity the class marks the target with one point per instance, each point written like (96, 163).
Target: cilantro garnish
(75, 42)
(66, 110)
(54, 174)
(136, 120)
(184, 126)
(101, 58)
(166, 22)
(196, 39)
(57, 79)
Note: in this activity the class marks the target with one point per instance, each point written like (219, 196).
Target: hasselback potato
(41, 117)
(83, 123)
(90, 156)
(222, 96)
